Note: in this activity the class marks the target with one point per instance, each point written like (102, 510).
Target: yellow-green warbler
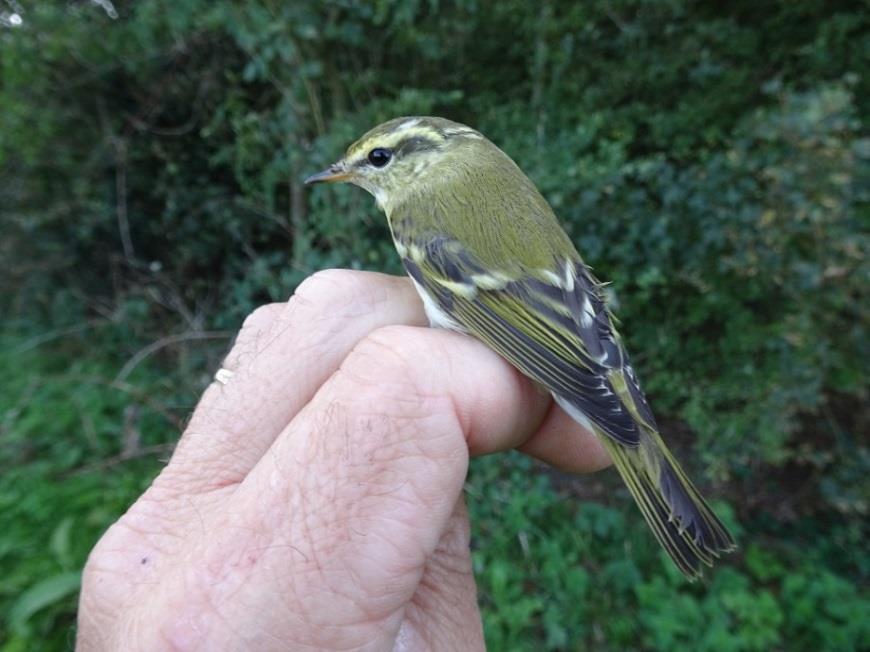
(489, 258)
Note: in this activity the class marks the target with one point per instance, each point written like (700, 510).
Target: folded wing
(551, 324)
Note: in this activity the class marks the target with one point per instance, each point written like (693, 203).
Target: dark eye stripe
(415, 144)
(380, 156)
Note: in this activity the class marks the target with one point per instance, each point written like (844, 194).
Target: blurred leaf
(41, 595)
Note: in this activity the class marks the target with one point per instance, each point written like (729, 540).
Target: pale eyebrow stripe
(407, 124)
(462, 131)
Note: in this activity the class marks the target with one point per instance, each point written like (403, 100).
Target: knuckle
(338, 295)
(329, 285)
(261, 318)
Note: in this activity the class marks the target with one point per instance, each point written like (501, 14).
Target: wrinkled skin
(314, 502)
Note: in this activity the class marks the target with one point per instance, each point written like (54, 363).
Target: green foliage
(710, 159)
(556, 573)
(759, 251)
(76, 448)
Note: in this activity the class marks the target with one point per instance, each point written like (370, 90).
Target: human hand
(314, 502)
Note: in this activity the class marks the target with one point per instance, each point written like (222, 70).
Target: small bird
(489, 259)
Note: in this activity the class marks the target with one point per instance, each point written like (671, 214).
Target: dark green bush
(710, 160)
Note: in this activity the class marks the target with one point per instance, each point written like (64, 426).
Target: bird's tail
(677, 514)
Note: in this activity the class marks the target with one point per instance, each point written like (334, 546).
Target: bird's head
(398, 156)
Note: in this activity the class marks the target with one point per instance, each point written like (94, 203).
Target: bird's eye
(380, 156)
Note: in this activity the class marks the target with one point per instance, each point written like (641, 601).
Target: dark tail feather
(677, 514)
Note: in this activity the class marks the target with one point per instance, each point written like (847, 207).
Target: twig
(122, 457)
(39, 340)
(163, 342)
(243, 203)
(140, 395)
(120, 146)
(131, 436)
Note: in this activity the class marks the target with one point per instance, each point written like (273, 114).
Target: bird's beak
(335, 172)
